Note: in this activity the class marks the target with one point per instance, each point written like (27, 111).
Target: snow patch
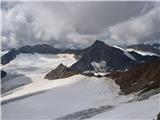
(99, 66)
(4, 52)
(125, 52)
(142, 52)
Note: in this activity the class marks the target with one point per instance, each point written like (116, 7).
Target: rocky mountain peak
(61, 66)
(98, 45)
(60, 72)
(98, 42)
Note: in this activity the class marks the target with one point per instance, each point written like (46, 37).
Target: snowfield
(37, 63)
(99, 67)
(73, 98)
(140, 110)
(10, 82)
(66, 96)
(125, 52)
(34, 67)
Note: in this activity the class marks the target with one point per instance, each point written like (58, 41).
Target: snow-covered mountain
(100, 57)
(24, 66)
(42, 49)
(145, 49)
(121, 93)
(8, 56)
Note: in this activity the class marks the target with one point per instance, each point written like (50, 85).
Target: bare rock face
(60, 72)
(3, 74)
(105, 58)
(158, 116)
(144, 77)
(99, 51)
(114, 58)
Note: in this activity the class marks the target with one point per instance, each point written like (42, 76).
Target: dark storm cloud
(73, 24)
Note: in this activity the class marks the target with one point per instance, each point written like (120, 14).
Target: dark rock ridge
(144, 77)
(114, 59)
(60, 72)
(6, 58)
(158, 116)
(156, 45)
(41, 49)
(154, 48)
(100, 51)
(3, 74)
(142, 59)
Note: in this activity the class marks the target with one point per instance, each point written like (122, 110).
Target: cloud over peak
(78, 24)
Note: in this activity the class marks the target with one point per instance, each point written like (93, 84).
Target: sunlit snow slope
(66, 96)
(33, 67)
(139, 110)
(48, 99)
(71, 98)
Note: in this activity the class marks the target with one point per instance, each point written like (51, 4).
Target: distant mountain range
(152, 48)
(132, 71)
(47, 49)
(41, 49)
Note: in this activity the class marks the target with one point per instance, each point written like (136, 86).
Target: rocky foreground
(144, 77)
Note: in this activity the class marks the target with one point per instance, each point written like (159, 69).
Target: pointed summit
(98, 42)
(60, 72)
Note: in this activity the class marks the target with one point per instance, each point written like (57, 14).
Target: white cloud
(67, 24)
(36, 23)
(141, 29)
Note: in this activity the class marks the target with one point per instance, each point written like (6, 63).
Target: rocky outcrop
(6, 58)
(98, 52)
(144, 77)
(158, 116)
(114, 58)
(60, 72)
(156, 45)
(100, 57)
(142, 59)
(3, 74)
